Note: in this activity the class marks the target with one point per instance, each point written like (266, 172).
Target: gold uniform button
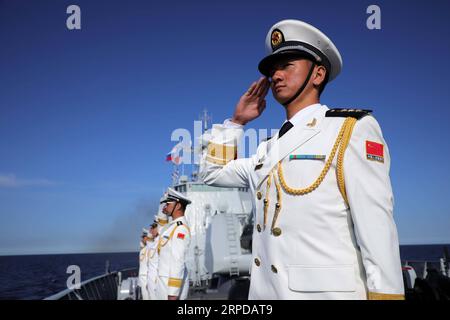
(274, 270)
(257, 262)
(276, 232)
(258, 227)
(259, 195)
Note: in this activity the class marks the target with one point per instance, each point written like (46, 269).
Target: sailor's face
(168, 207)
(288, 76)
(154, 232)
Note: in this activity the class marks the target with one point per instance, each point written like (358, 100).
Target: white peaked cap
(298, 38)
(173, 195)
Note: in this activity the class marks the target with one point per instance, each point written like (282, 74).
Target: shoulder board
(179, 223)
(354, 113)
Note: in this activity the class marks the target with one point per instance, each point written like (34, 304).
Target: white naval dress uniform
(173, 247)
(143, 270)
(323, 247)
(152, 274)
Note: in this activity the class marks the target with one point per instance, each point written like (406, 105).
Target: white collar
(304, 114)
(177, 219)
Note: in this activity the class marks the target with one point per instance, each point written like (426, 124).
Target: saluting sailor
(324, 226)
(173, 244)
(153, 257)
(143, 264)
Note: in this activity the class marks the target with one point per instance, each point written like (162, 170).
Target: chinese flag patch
(374, 151)
(180, 236)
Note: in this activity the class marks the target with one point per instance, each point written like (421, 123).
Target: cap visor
(266, 64)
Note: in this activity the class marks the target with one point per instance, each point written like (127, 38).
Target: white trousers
(152, 279)
(143, 285)
(162, 291)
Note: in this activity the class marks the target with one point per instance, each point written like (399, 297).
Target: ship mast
(206, 120)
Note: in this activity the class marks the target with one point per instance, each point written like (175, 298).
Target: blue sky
(86, 115)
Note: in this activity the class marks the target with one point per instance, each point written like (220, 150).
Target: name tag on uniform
(307, 157)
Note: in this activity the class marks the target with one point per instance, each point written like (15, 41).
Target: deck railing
(103, 287)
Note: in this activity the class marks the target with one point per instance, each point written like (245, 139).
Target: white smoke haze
(123, 234)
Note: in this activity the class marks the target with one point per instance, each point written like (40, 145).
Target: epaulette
(354, 113)
(179, 223)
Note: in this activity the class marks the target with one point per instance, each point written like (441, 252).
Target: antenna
(175, 175)
(206, 119)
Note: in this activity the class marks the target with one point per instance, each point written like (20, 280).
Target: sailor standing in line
(173, 244)
(153, 257)
(324, 226)
(143, 264)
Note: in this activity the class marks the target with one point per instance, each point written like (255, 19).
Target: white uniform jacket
(308, 242)
(143, 270)
(152, 275)
(173, 247)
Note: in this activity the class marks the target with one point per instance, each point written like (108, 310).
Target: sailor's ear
(320, 75)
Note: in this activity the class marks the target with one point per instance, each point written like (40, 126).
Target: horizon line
(137, 251)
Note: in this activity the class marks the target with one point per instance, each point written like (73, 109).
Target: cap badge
(277, 38)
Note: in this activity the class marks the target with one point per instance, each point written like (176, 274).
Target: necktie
(285, 128)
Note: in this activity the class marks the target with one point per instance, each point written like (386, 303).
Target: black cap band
(293, 48)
